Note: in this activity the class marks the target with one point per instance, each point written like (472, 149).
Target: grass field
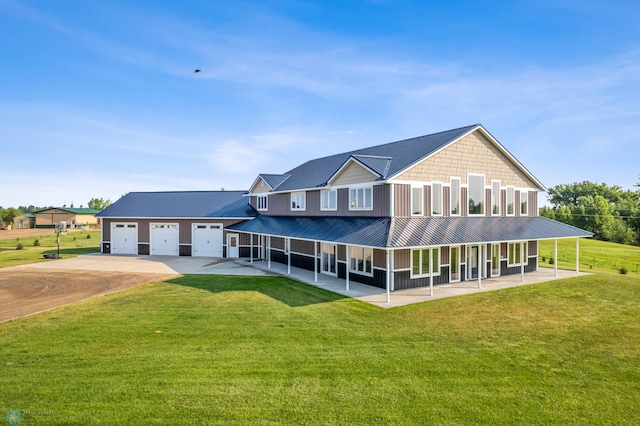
(71, 244)
(594, 255)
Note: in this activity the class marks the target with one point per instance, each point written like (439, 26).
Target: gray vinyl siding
(533, 203)
(446, 200)
(184, 227)
(464, 203)
(401, 200)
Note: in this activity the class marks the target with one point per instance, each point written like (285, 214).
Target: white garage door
(124, 238)
(206, 240)
(164, 239)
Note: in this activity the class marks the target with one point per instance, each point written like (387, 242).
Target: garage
(124, 238)
(206, 239)
(164, 239)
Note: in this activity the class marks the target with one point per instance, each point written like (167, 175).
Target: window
(495, 260)
(329, 200)
(515, 258)
(416, 201)
(298, 201)
(476, 194)
(495, 198)
(455, 264)
(511, 200)
(455, 196)
(524, 197)
(361, 260)
(261, 201)
(360, 199)
(436, 199)
(420, 262)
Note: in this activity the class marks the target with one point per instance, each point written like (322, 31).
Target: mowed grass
(593, 255)
(71, 245)
(267, 350)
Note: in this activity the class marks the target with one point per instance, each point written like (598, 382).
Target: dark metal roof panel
(316, 173)
(215, 204)
(273, 180)
(380, 165)
(371, 232)
(418, 231)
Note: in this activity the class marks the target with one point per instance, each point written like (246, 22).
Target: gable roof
(272, 180)
(75, 210)
(177, 204)
(387, 160)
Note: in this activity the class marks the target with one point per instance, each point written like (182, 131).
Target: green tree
(98, 203)
(7, 215)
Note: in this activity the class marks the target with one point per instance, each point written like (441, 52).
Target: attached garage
(164, 239)
(207, 240)
(124, 238)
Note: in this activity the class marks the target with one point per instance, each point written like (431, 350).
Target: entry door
(232, 246)
(472, 262)
(20, 224)
(495, 260)
(328, 258)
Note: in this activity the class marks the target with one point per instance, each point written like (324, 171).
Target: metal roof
(75, 210)
(192, 204)
(380, 165)
(410, 231)
(273, 180)
(316, 173)
(427, 231)
(371, 232)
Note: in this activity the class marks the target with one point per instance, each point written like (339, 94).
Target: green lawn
(594, 255)
(266, 350)
(71, 245)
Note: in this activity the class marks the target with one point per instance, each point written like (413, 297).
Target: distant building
(74, 217)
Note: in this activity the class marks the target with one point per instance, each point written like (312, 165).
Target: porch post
(288, 246)
(388, 277)
(577, 256)
(555, 257)
(347, 267)
(431, 272)
(521, 261)
(251, 249)
(479, 265)
(269, 251)
(315, 261)
(393, 267)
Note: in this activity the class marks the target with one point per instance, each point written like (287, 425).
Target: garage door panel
(164, 239)
(124, 238)
(207, 240)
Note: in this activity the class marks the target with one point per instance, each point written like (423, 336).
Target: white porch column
(479, 266)
(577, 255)
(388, 277)
(555, 257)
(269, 252)
(315, 261)
(431, 272)
(251, 249)
(393, 267)
(347, 268)
(521, 262)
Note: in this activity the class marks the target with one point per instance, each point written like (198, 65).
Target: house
(185, 223)
(74, 217)
(442, 208)
(24, 221)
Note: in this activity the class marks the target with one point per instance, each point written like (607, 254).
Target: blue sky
(99, 98)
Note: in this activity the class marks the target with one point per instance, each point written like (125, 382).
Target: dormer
(266, 183)
(360, 169)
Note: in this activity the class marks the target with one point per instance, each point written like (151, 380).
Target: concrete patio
(377, 296)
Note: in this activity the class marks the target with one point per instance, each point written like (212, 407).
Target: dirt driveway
(26, 233)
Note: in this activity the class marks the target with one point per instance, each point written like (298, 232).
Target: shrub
(36, 242)
(551, 261)
(544, 258)
(88, 236)
(74, 238)
(19, 246)
(623, 270)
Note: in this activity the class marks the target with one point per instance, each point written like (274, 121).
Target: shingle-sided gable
(352, 173)
(472, 153)
(267, 182)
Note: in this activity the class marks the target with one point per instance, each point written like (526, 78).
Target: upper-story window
(261, 202)
(455, 196)
(511, 201)
(475, 195)
(524, 208)
(298, 201)
(416, 201)
(361, 199)
(329, 200)
(495, 197)
(436, 199)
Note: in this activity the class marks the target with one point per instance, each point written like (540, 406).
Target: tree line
(8, 214)
(611, 213)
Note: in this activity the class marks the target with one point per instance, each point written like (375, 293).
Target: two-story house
(442, 208)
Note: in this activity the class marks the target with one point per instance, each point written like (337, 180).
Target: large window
(360, 199)
(361, 260)
(524, 197)
(420, 262)
(511, 201)
(298, 201)
(262, 202)
(455, 196)
(455, 263)
(436, 199)
(416, 201)
(495, 198)
(329, 200)
(476, 194)
(515, 254)
(495, 260)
